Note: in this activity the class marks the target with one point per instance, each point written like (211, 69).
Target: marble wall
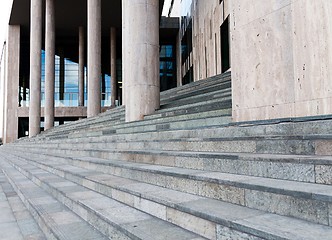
(208, 16)
(281, 58)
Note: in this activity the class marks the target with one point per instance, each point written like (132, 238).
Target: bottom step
(16, 222)
(111, 218)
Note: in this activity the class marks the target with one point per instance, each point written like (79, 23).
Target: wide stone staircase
(185, 172)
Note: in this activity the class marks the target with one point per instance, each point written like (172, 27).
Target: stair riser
(217, 93)
(93, 216)
(311, 171)
(38, 218)
(88, 215)
(167, 213)
(263, 146)
(253, 196)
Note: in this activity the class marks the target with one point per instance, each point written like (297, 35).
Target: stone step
(179, 122)
(114, 219)
(115, 113)
(306, 201)
(211, 92)
(16, 222)
(268, 144)
(207, 217)
(56, 220)
(208, 105)
(313, 169)
(194, 86)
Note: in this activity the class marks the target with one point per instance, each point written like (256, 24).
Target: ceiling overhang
(70, 14)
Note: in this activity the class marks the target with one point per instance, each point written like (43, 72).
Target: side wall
(208, 16)
(281, 58)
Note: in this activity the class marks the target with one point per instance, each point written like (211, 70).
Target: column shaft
(35, 66)
(113, 66)
(94, 57)
(49, 64)
(81, 67)
(141, 57)
(12, 98)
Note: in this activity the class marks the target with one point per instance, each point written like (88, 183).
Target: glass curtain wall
(66, 96)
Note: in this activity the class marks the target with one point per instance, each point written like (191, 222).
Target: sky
(4, 17)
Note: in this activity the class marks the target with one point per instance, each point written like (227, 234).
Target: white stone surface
(280, 59)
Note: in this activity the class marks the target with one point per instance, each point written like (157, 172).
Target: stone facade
(280, 59)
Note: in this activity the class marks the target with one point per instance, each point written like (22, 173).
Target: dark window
(167, 67)
(225, 52)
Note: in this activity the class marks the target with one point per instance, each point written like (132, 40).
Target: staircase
(185, 172)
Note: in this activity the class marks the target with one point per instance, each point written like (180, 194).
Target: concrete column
(49, 64)
(94, 57)
(81, 68)
(113, 66)
(35, 66)
(178, 60)
(141, 57)
(12, 84)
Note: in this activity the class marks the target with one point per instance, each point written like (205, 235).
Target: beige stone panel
(249, 11)
(262, 65)
(265, 112)
(312, 23)
(197, 225)
(313, 107)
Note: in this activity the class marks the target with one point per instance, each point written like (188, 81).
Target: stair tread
(255, 222)
(61, 222)
(15, 220)
(133, 221)
(293, 188)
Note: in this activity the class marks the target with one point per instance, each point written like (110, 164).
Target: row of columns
(140, 50)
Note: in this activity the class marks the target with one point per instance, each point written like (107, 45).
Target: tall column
(12, 83)
(49, 64)
(81, 68)
(35, 66)
(113, 66)
(141, 57)
(94, 57)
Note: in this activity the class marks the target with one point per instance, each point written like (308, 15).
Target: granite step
(16, 222)
(207, 217)
(113, 218)
(54, 218)
(213, 92)
(303, 168)
(306, 201)
(108, 115)
(194, 86)
(263, 144)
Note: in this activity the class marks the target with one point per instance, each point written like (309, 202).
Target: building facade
(66, 60)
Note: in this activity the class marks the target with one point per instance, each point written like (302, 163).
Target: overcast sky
(4, 17)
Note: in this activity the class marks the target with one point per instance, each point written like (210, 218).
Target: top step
(195, 88)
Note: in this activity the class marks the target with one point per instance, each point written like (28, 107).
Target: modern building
(66, 60)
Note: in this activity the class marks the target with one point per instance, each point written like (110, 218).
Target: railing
(70, 100)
